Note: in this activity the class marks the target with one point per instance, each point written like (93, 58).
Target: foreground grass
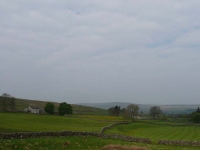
(158, 132)
(16, 122)
(75, 143)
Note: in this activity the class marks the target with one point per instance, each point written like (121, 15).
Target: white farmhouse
(33, 109)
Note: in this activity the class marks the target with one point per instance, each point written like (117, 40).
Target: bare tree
(7, 102)
(131, 111)
(155, 112)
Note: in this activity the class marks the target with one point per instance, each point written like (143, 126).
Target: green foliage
(155, 112)
(196, 118)
(163, 117)
(198, 110)
(131, 112)
(49, 108)
(7, 102)
(64, 108)
(115, 111)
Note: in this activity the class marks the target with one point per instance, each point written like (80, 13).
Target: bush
(49, 108)
(64, 108)
(196, 118)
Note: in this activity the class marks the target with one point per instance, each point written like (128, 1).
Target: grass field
(18, 122)
(78, 143)
(158, 132)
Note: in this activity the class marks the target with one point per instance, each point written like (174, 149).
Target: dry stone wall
(25, 135)
(112, 125)
(179, 142)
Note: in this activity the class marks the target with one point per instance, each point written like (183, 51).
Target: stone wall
(179, 142)
(25, 135)
(112, 125)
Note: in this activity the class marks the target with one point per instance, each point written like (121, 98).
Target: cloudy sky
(144, 52)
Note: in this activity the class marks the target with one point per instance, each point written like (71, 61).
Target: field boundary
(179, 142)
(113, 125)
(26, 135)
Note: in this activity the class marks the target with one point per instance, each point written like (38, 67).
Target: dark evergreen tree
(196, 118)
(198, 110)
(115, 111)
(49, 108)
(64, 108)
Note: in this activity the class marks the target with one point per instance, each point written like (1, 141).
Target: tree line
(196, 116)
(8, 103)
(132, 111)
(63, 108)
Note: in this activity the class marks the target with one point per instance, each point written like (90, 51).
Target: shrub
(49, 108)
(196, 118)
(64, 108)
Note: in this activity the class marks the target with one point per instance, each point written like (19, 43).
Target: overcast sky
(139, 51)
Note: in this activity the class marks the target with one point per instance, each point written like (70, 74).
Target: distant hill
(21, 104)
(144, 108)
(101, 108)
(171, 109)
(105, 105)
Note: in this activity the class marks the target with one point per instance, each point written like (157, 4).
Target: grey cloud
(98, 51)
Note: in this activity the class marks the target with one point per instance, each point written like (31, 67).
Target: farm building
(34, 109)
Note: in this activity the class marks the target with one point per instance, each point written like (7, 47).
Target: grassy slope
(158, 132)
(21, 104)
(12, 122)
(17, 122)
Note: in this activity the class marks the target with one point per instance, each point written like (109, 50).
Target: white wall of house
(32, 110)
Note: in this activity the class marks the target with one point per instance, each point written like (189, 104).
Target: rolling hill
(171, 109)
(101, 108)
(21, 104)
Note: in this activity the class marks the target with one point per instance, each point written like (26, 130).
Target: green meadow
(21, 122)
(158, 132)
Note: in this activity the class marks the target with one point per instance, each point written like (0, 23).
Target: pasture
(157, 132)
(19, 122)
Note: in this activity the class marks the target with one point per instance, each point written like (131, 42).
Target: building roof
(34, 107)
